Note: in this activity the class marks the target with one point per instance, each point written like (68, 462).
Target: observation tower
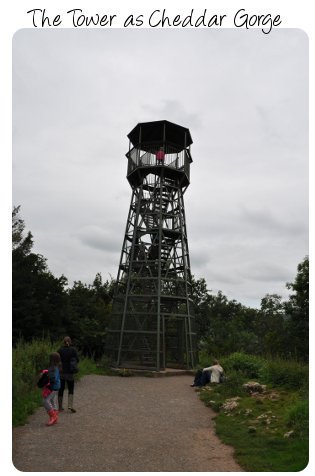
(152, 322)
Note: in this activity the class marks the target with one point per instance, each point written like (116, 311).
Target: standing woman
(69, 359)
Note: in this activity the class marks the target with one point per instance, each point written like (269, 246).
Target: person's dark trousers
(197, 378)
(202, 378)
(205, 377)
(60, 394)
(62, 388)
(70, 385)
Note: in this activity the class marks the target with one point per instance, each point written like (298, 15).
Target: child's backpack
(43, 379)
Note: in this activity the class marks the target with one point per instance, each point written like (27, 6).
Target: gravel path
(126, 424)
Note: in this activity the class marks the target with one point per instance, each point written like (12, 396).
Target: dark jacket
(66, 354)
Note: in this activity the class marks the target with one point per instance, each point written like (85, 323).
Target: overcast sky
(242, 94)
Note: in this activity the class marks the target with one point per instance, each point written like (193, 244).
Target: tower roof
(160, 132)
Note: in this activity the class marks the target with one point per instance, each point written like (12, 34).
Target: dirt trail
(126, 424)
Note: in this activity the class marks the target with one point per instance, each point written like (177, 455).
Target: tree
(297, 309)
(20, 244)
(90, 312)
(38, 299)
(225, 325)
(201, 298)
(271, 326)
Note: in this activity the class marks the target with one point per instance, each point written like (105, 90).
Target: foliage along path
(126, 424)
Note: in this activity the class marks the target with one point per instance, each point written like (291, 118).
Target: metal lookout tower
(152, 325)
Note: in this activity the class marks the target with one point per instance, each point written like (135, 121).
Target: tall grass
(289, 374)
(28, 359)
(297, 417)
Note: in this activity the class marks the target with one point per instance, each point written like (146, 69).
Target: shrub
(297, 417)
(249, 366)
(232, 385)
(289, 374)
(27, 361)
(104, 362)
(203, 360)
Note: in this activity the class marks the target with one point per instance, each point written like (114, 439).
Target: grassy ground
(269, 431)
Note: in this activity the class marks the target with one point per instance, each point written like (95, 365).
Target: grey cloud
(78, 93)
(218, 277)
(176, 111)
(99, 238)
(269, 272)
(266, 220)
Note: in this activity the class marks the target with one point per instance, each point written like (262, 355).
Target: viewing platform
(159, 147)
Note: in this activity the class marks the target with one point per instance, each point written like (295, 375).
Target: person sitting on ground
(217, 372)
(213, 374)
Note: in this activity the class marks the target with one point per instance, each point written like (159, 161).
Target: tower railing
(172, 159)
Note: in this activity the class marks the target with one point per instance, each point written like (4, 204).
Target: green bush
(232, 385)
(203, 360)
(297, 417)
(289, 374)
(104, 363)
(249, 366)
(88, 366)
(28, 359)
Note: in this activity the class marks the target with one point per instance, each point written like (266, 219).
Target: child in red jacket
(50, 389)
